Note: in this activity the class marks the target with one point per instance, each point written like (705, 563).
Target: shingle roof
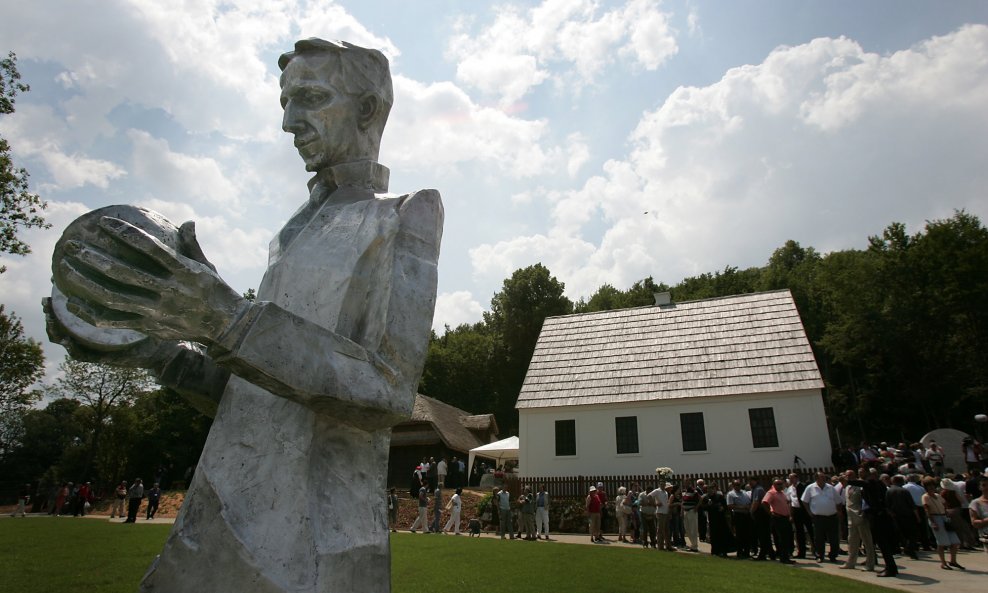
(451, 423)
(752, 343)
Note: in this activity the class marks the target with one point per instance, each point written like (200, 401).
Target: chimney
(662, 298)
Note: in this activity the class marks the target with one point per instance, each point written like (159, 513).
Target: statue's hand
(150, 353)
(170, 297)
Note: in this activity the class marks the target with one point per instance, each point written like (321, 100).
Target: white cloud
(36, 132)
(693, 22)
(207, 63)
(511, 76)
(523, 48)
(566, 253)
(455, 308)
(816, 143)
(171, 175)
(578, 153)
(71, 171)
(439, 125)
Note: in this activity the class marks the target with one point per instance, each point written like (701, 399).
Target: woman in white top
(623, 511)
(936, 513)
(454, 505)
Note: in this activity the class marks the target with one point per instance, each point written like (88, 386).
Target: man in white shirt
(821, 500)
(934, 456)
(542, 513)
(441, 470)
(662, 517)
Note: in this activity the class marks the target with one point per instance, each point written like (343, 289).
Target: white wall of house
(800, 421)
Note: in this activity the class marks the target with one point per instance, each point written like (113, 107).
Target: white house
(718, 385)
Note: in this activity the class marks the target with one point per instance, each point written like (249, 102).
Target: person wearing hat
(593, 512)
(416, 483)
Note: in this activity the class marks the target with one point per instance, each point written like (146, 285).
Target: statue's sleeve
(195, 377)
(316, 367)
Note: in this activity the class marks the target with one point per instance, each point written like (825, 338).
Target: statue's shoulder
(423, 208)
(421, 215)
(425, 202)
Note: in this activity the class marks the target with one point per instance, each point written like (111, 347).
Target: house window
(626, 431)
(694, 437)
(565, 438)
(763, 432)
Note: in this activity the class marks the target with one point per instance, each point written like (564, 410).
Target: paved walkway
(923, 575)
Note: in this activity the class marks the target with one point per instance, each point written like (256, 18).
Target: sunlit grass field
(43, 555)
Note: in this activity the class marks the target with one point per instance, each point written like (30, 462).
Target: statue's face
(323, 118)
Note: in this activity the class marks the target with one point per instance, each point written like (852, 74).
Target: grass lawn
(41, 555)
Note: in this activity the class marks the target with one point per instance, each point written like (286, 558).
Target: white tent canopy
(498, 451)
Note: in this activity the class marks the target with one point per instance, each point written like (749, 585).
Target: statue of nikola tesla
(305, 382)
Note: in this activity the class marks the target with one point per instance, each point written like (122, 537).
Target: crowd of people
(78, 500)
(887, 501)
(883, 502)
(428, 479)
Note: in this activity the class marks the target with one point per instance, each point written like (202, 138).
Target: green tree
(21, 366)
(515, 318)
(641, 294)
(19, 209)
(728, 282)
(904, 338)
(169, 436)
(605, 299)
(458, 368)
(100, 388)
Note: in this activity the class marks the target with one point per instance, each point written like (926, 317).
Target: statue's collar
(365, 174)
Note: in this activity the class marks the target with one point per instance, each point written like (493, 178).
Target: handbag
(948, 524)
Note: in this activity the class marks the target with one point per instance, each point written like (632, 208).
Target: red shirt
(593, 503)
(778, 502)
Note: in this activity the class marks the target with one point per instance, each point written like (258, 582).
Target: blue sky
(608, 140)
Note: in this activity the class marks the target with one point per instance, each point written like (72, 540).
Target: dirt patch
(171, 502)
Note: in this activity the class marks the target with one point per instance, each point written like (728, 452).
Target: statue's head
(336, 98)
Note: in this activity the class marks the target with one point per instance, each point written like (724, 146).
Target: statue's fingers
(84, 287)
(111, 267)
(100, 316)
(135, 238)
